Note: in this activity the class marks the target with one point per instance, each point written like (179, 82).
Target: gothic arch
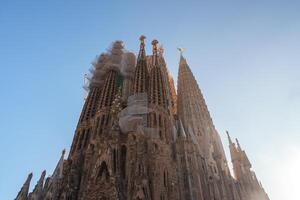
(103, 171)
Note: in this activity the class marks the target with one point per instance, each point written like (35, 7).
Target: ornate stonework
(137, 139)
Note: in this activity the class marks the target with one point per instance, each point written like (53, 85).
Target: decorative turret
(22, 195)
(140, 84)
(241, 164)
(235, 158)
(37, 192)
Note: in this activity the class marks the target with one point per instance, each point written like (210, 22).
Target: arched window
(123, 161)
(103, 171)
(154, 120)
(165, 178)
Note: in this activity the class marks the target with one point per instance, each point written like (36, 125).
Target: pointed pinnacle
(28, 180)
(41, 180)
(63, 152)
(229, 139)
(30, 175)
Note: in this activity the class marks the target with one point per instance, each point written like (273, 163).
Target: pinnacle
(229, 139)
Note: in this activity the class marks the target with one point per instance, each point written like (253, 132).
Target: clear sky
(244, 54)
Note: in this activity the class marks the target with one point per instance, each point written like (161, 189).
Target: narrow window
(114, 158)
(165, 179)
(103, 171)
(123, 161)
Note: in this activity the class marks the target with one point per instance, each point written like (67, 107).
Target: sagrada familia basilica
(139, 139)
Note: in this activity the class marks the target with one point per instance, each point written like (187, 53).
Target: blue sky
(244, 54)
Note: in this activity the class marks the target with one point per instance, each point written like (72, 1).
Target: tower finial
(154, 44)
(180, 50)
(142, 53)
(142, 39)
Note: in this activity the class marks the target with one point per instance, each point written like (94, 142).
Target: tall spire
(22, 195)
(157, 84)
(140, 82)
(191, 107)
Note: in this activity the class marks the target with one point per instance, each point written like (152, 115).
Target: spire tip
(229, 138)
(154, 42)
(180, 50)
(142, 38)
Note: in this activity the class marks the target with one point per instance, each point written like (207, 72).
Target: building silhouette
(139, 139)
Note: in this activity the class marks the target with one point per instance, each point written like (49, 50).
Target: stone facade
(137, 139)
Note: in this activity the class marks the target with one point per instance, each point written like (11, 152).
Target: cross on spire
(180, 50)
